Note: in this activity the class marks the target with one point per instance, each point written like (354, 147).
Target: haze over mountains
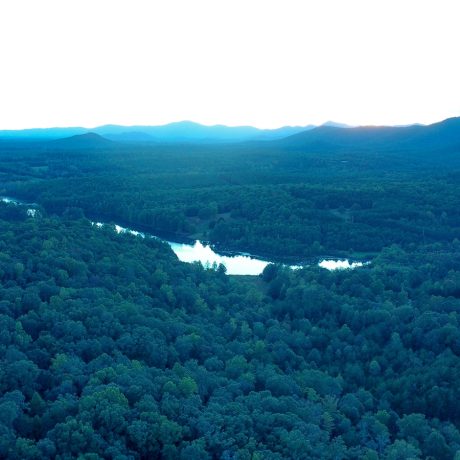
(331, 137)
(183, 131)
(80, 141)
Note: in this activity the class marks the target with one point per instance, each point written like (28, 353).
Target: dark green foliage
(111, 348)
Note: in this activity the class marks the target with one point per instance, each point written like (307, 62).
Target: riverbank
(236, 263)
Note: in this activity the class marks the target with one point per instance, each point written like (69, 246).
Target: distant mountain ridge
(183, 131)
(86, 140)
(187, 131)
(329, 137)
(336, 125)
(42, 133)
(441, 135)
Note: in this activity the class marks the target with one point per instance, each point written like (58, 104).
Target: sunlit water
(31, 212)
(340, 264)
(235, 265)
(6, 199)
(203, 253)
(199, 252)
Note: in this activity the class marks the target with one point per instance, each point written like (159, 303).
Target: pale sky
(237, 62)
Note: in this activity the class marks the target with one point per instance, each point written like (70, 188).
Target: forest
(111, 348)
(274, 199)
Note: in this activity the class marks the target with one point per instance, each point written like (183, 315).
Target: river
(239, 264)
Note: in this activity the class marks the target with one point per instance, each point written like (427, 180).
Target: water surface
(239, 264)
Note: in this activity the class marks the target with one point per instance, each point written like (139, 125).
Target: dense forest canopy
(111, 348)
(290, 199)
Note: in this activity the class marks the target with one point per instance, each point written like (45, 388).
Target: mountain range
(330, 137)
(183, 131)
(437, 136)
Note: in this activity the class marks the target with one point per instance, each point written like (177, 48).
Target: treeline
(284, 220)
(291, 221)
(111, 348)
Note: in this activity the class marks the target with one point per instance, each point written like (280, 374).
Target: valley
(112, 347)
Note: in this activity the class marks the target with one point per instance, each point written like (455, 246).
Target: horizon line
(343, 125)
(308, 125)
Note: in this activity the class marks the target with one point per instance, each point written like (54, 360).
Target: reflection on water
(6, 199)
(235, 265)
(198, 252)
(340, 264)
(31, 212)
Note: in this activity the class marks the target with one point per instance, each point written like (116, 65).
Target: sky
(237, 62)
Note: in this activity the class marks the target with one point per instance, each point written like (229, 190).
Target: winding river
(240, 264)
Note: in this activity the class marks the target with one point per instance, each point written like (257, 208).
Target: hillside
(441, 136)
(80, 142)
